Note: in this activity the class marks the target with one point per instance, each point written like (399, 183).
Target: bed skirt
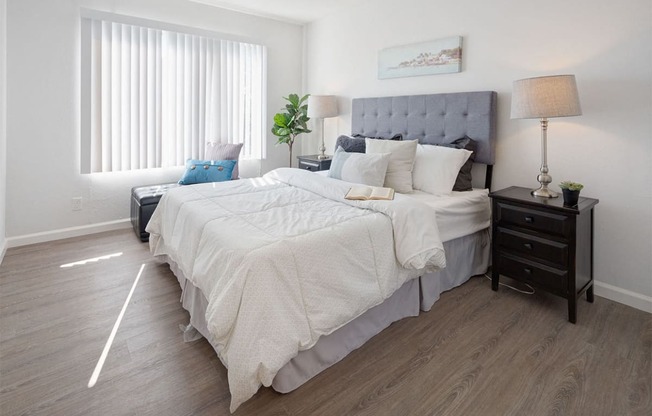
(465, 256)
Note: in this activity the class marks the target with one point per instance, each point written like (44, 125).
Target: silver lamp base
(544, 178)
(544, 192)
(322, 148)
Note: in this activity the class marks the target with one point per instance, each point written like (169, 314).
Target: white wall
(605, 44)
(43, 107)
(3, 125)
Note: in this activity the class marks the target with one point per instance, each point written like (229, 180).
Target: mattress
(460, 213)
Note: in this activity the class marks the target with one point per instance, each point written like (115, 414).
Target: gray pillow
(350, 144)
(464, 178)
(356, 144)
(224, 151)
(397, 136)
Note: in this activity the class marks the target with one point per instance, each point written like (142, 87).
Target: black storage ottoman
(144, 200)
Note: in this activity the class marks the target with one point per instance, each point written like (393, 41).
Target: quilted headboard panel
(431, 119)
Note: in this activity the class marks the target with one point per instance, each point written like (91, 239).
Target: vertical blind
(157, 96)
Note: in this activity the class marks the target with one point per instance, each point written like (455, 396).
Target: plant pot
(570, 197)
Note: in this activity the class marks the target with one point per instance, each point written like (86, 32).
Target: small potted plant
(571, 191)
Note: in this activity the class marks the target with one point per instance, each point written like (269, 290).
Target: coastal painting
(442, 56)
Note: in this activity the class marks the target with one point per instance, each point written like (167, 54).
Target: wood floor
(477, 352)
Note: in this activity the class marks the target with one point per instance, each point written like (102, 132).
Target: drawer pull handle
(527, 271)
(529, 220)
(528, 246)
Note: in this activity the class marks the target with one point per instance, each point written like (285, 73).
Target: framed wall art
(442, 56)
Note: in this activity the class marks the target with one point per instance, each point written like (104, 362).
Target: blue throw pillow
(201, 171)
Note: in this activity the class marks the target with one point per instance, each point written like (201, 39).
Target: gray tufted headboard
(431, 119)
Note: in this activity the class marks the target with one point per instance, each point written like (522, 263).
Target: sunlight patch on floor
(91, 260)
(107, 346)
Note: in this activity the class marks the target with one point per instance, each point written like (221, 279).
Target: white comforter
(285, 259)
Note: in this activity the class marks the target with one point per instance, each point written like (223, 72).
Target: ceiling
(293, 11)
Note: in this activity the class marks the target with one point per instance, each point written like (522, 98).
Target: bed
(389, 281)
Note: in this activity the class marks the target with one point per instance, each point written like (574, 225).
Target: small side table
(541, 242)
(311, 163)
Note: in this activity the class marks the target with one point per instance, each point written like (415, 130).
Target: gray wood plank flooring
(477, 352)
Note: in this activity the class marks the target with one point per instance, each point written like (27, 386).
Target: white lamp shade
(322, 106)
(545, 97)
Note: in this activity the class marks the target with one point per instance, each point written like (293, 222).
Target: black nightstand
(311, 163)
(541, 242)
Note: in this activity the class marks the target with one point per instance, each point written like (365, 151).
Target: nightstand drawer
(541, 221)
(311, 166)
(313, 163)
(531, 246)
(527, 271)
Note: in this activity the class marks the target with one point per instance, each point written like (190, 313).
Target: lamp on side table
(543, 98)
(321, 107)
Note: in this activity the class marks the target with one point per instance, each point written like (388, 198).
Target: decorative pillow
(350, 144)
(201, 171)
(357, 144)
(224, 151)
(464, 179)
(397, 136)
(401, 161)
(436, 168)
(367, 169)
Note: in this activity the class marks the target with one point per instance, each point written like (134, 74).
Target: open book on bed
(365, 193)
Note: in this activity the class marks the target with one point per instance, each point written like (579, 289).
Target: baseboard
(62, 233)
(635, 300)
(3, 249)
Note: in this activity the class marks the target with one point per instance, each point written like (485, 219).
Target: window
(153, 98)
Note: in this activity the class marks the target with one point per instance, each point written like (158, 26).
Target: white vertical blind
(242, 86)
(157, 96)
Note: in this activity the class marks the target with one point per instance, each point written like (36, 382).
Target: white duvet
(285, 259)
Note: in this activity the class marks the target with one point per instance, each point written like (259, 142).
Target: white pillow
(436, 167)
(359, 167)
(401, 161)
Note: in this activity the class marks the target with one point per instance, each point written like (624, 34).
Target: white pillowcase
(401, 161)
(359, 167)
(436, 168)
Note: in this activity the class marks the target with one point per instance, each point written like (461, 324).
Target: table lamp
(321, 107)
(544, 98)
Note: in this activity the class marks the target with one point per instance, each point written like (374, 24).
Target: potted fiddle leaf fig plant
(292, 122)
(571, 192)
